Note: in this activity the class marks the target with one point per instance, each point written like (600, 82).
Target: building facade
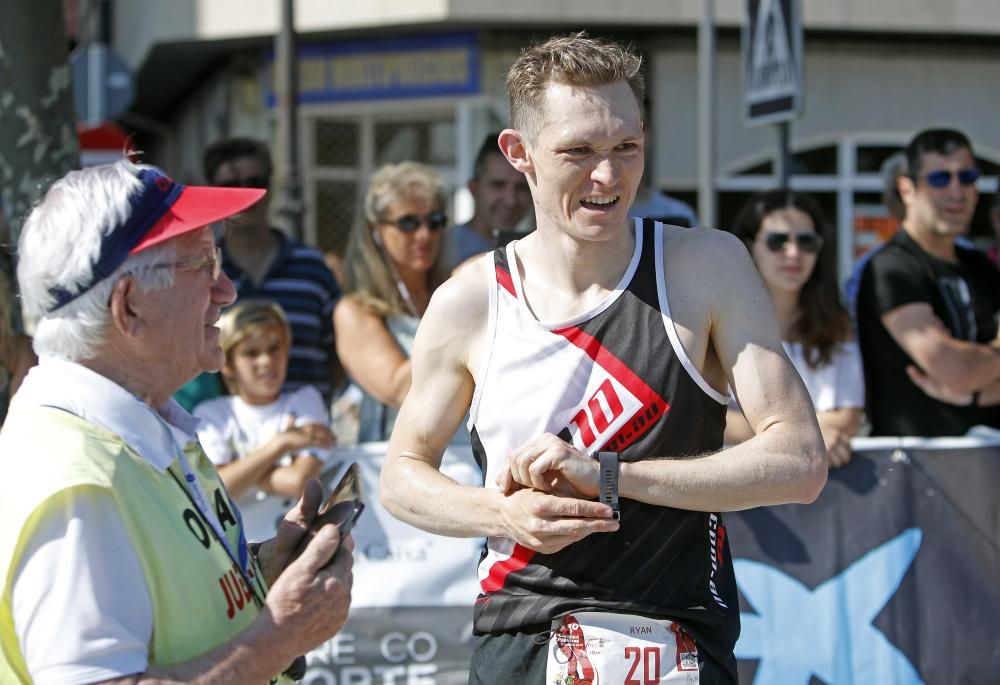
(382, 82)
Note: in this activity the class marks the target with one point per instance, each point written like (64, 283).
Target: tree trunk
(38, 139)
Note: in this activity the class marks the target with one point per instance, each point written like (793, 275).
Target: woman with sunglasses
(784, 232)
(393, 265)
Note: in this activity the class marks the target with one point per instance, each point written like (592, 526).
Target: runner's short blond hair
(574, 60)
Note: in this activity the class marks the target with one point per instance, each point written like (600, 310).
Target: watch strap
(608, 491)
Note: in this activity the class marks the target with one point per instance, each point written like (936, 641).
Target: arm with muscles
(370, 354)
(959, 367)
(783, 462)
(412, 487)
(838, 426)
(307, 604)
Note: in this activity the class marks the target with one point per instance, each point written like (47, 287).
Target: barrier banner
(429, 645)
(411, 604)
(891, 576)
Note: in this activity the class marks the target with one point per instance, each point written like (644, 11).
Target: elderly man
(599, 335)
(502, 199)
(122, 557)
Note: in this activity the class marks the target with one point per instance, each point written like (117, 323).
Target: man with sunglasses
(265, 264)
(928, 303)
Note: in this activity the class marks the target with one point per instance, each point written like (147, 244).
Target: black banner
(891, 576)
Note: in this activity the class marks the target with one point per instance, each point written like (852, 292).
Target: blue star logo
(799, 633)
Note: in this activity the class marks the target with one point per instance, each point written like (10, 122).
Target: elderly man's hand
(309, 601)
(275, 554)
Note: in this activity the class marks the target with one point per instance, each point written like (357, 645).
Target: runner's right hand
(547, 522)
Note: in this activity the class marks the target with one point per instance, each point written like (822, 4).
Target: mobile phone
(345, 503)
(342, 508)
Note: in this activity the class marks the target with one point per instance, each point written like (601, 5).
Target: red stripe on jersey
(500, 570)
(505, 280)
(652, 403)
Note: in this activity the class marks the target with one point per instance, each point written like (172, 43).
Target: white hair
(59, 246)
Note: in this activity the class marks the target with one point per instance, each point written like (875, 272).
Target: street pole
(783, 159)
(287, 98)
(706, 115)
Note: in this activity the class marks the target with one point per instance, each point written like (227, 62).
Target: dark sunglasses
(410, 223)
(810, 243)
(248, 182)
(942, 177)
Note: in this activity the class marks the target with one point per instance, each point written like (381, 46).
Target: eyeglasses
(248, 182)
(410, 223)
(810, 243)
(942, 177)
(215, 261)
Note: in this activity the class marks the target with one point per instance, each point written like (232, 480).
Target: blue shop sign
(416, 66)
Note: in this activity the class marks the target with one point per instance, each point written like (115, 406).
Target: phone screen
(345, 503)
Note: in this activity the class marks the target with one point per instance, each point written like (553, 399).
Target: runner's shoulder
(705, 253)
(463, 300)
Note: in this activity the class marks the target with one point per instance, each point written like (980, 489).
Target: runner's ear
(514, 147)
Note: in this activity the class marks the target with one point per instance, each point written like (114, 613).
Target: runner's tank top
(614, 378)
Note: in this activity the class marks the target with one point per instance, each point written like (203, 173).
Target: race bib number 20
(595, 648)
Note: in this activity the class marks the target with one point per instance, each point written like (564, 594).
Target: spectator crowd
(249, 330)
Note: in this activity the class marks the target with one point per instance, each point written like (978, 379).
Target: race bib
(595, 648)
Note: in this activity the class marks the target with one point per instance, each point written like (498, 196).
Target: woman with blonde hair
(393, 266)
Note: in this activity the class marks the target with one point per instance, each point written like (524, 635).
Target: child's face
(258, 365)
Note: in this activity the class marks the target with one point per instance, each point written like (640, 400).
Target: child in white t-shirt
(262, 440)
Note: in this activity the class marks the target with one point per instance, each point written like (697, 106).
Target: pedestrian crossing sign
(772, 61)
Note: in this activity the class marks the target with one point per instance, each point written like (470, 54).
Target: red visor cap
(196, 207)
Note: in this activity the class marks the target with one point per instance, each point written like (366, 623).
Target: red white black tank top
(615, 378)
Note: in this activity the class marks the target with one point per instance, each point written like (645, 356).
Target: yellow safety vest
(198, 595)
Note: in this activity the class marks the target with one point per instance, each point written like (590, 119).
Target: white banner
(395, 564)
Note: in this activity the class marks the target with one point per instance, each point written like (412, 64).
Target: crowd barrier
(891, 576)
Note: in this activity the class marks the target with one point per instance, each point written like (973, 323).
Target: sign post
(102, 84)
(772, 70)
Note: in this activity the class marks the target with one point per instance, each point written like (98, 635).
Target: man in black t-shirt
(928, 307)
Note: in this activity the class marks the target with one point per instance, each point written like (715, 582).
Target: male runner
(597, 333)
